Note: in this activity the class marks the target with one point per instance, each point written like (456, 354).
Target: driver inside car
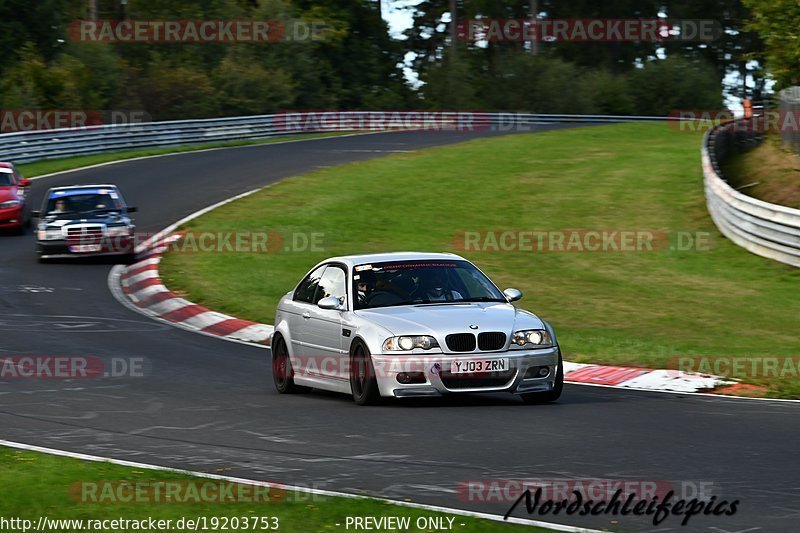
(366, 286)
(437, 289)
(60, 207)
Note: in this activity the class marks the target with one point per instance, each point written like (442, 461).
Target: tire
(551, 395)
(282, 372)
(363, 384)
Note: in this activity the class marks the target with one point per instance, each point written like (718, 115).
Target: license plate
(85, 248)
(470, 366)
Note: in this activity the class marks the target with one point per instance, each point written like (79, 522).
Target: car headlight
(49, 234)
(118, 231)
(9, 204)
(409, 342)
(534, 338)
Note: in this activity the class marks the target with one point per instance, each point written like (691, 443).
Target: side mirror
(24, 182)
(131, 209)
(512, 295)
(331, 302)
(36, 214)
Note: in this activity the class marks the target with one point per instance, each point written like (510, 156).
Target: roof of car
(72, 187)
(363, 259)
(3, 164)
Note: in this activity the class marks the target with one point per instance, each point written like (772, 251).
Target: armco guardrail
(25, 147)
(762, 228)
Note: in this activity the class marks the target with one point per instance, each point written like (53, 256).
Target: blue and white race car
(85, 220)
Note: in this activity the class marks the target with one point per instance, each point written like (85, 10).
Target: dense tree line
(358, 65)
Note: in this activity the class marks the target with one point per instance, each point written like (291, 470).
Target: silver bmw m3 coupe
(407, 325)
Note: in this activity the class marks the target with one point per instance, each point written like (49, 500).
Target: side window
(333, 284)
(306, 290)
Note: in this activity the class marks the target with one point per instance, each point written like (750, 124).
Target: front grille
(85, 234)
(477, 380)
(461, 342)
(491, 340)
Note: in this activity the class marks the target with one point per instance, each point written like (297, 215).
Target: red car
(13, 192)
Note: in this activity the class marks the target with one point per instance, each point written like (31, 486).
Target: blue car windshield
(82, 203)
(421, 282)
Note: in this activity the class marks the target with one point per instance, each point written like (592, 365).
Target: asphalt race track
(207, 404)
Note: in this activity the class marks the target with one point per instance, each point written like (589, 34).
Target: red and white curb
(141, 284)
(641, 378)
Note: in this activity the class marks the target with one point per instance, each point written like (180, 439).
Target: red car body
(13, 198)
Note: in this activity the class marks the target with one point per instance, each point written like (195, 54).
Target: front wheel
(282, 372)
(363, 384)
(551, 395)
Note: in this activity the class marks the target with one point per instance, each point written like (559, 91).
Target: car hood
(8, 193)
(439, 320)
(105, 220)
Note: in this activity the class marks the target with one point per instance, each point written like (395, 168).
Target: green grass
(40, 168)
(770, 172)
(35, 485)
(614, 308)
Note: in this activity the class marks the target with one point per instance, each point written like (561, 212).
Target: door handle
(306, 315)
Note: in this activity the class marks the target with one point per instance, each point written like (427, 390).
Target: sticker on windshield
(359, 268)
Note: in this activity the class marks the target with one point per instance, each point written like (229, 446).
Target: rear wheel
(362, 376)
(551, 395)
(282, 372)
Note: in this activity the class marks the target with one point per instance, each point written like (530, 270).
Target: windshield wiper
(103, 210)
(408, 302)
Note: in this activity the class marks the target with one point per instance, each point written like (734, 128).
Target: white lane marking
(34, 289)
(305, 490)
(171, 154)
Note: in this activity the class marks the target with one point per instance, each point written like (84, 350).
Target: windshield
(82, 203)
(421, 282)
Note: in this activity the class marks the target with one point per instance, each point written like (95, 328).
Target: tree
(776, 21)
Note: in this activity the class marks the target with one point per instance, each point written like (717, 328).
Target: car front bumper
(13, 217)
(60, 248)
(523, 375)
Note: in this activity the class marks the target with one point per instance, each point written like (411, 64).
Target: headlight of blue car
(49, 234)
